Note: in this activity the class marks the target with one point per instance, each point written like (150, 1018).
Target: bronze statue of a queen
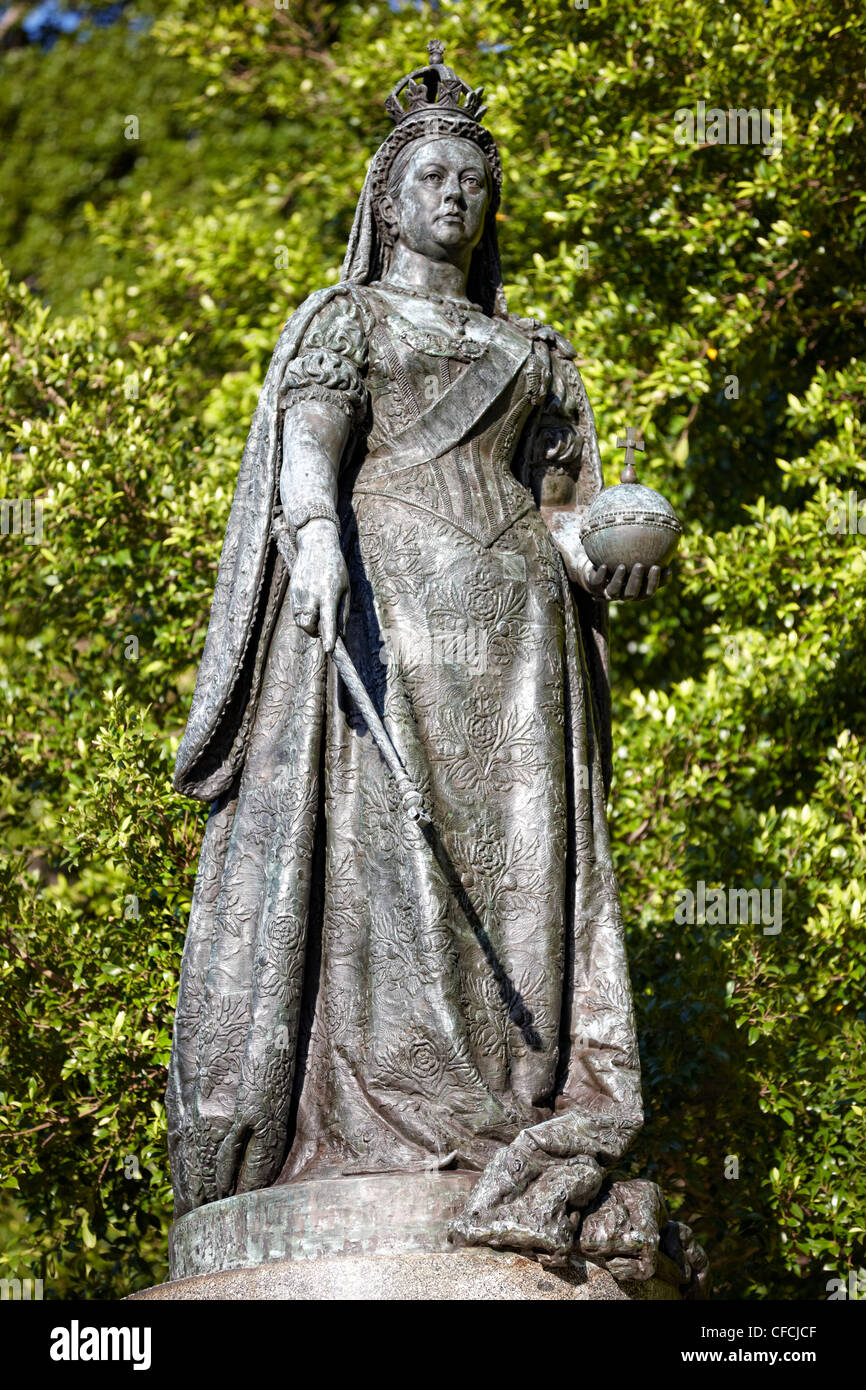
(363, 992)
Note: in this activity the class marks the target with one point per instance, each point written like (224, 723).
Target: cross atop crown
(630, 443)
(435, 88)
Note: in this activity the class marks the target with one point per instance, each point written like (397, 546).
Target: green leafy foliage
(715, 294)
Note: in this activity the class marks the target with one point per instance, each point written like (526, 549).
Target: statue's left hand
(639, 582)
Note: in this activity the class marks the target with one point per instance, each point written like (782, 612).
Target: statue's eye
(432, 177)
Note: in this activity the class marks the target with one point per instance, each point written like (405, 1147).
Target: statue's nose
(453, 192)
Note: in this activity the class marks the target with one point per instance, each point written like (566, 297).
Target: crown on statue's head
(433, 89)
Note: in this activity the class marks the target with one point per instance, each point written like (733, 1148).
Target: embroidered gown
(359, 995)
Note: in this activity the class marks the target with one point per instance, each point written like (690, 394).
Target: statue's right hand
(319, 582)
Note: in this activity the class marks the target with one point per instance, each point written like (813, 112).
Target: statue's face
(442, 200)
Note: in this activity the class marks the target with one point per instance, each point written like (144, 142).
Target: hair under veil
(368, 253)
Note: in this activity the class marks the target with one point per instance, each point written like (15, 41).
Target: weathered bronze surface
(388, 976)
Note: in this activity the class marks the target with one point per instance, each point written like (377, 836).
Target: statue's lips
(452, 218)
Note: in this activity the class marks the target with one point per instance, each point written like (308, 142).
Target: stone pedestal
(375, 1237)
(489, 1275)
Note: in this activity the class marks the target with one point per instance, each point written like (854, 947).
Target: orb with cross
(630, 524)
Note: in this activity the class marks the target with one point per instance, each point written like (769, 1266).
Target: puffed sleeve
(331, 362)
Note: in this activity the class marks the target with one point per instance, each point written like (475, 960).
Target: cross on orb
(630, 443)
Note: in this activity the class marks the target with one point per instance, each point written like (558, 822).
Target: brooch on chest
(458, 346)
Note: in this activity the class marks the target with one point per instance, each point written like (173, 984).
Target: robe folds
(358, 994)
